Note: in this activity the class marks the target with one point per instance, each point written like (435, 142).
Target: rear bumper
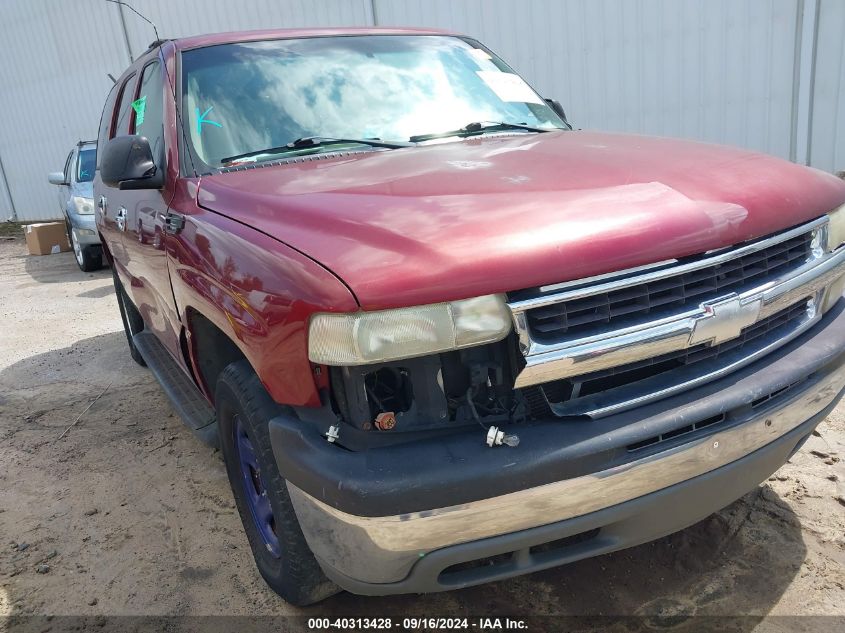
(454, 500)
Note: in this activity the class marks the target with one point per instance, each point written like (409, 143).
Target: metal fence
(763, 74)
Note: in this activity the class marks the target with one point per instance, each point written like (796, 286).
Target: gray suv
(76, 199)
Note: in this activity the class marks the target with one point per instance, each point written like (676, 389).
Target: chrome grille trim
(545, 362)
(640, 392)
(646, 302)
(588, 286)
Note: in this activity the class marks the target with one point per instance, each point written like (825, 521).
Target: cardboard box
(46, 238)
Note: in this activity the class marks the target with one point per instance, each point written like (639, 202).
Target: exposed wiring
(371, 393)
(472, 408)
(516, 413)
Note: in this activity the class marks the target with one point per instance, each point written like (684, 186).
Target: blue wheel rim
(255, 491)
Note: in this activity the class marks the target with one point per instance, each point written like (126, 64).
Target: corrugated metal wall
(181, 18)
(827, 132)
(728, 71)
(717, 70)
(56, 56)
(52, 87)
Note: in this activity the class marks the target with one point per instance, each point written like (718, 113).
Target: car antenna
(158, 42)
(139, 14)
(110, 76)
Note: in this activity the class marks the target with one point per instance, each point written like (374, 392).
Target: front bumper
(86, 228)
(453, 500)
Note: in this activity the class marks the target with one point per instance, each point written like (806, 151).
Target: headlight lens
(835, 238)
(84, 206)
(836, 228)
(384, 335)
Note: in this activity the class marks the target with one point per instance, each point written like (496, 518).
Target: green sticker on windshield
(140, 106)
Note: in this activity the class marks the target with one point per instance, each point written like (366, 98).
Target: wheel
(278, 546)
(132, 321)
(87, 258)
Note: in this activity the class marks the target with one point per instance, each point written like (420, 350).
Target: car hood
(82, 189)
(500, 213)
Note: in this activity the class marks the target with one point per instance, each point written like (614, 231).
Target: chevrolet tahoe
(440, 336)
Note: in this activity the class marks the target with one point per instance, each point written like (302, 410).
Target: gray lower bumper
(89, 240)
(86, 229)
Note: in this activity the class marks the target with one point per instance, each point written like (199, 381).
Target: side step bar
(183, 394)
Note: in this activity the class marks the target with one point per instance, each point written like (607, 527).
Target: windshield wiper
(477, 127)
(315, 141)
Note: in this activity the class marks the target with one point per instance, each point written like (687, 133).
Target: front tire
(278, 546)
(88, 259)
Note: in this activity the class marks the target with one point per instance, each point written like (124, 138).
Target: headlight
(835, 238)
(836, 228)
(362, 338)
(84, 206)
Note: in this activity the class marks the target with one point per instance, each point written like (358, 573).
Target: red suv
(441, 337)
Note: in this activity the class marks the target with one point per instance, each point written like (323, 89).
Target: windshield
(249, 96)
(86, 164)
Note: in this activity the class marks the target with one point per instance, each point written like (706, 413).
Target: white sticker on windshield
(479, 53)
(509, 87)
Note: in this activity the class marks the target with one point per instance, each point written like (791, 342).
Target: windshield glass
(86, 164)
(249, 96)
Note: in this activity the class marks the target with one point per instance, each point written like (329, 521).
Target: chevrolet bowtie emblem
(724, 320)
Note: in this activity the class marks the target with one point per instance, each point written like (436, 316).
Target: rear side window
(124, 109)
(149, 108)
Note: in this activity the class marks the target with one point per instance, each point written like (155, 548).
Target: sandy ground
(132, 515)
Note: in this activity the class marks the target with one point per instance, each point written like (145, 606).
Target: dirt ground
(132, 515)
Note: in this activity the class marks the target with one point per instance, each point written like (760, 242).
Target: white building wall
(53, 84)
(179, 18)
(827, 128)
(726, 71)
(56, 56)
(715, 70)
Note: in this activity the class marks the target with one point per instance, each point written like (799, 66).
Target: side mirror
(57, 178)
(554, 104)
(127, 163)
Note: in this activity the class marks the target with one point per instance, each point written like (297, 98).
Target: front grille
(597, 346)
(632, 305)
(752, 337)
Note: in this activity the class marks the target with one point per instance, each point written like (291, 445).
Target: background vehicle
(76, 200)
(442, 338)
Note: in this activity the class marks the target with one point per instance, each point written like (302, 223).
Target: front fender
(260, 293)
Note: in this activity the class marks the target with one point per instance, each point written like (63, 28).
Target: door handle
(173, 222)
(120, 219)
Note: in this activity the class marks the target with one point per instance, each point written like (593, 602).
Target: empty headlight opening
(452, 389)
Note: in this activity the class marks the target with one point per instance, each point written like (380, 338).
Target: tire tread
(299, 580)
